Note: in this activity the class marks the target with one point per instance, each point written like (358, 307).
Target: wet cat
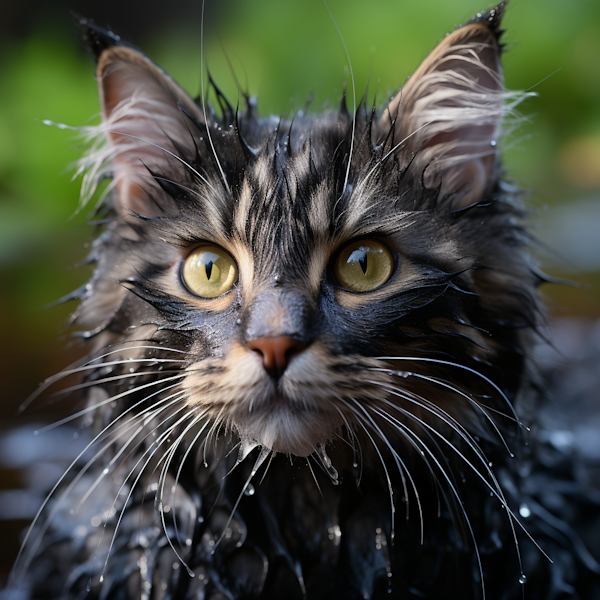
(309, 346)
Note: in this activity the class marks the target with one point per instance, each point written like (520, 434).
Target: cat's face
(315, 276)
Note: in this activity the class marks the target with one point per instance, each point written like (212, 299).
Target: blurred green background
(282, 51)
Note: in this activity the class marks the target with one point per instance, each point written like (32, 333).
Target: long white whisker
(204, 102)
(264, 452)
(445, 413)
(163, 476)
(147, 418)
(496, 491)
(391, 419)
(107, 401)
(458, 366)
(157, 443)
(401, 468)
(87, 384)
(88, 367)
(61, 479)
(353, 98)
(387, 475)
(183, 459)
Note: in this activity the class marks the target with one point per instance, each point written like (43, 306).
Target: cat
(309, 352)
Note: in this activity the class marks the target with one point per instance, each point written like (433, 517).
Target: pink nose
(276, 352)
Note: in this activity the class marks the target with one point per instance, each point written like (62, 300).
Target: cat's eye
(209, 272)
(363, 265)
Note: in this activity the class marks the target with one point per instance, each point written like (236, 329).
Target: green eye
(363, 265)
(209, 271)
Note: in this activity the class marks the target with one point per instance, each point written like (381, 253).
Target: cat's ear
(146, 120)
(450, 111)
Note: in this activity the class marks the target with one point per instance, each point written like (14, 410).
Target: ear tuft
(146, 120)
(450, 112)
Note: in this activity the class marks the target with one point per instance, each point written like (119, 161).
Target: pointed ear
(450, 112)
(145, 123)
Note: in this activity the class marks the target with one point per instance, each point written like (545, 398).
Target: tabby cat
(309, 352)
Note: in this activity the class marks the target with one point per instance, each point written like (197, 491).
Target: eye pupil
(362, 261)
(208, 266)
(359, 256)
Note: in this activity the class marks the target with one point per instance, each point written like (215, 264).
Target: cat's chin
(285, 431)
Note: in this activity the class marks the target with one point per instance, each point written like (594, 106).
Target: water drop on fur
(249, 491)
(326, 462)
(524, 511)
(522, 579)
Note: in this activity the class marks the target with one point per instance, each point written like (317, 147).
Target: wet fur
(392, 467)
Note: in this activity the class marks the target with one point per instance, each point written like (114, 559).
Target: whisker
(212, 146)
(162, 479)
(496, 491)
(192, 444)
(87, 384)
(353, 99)
(473, 402)
(87, 367)
(458, 366)
(59, 482)
(107, 401)
(401, 468)
(264, 452)
(157, 443)
(80, 474)
(179, 396)
(402, 427)
(387, 475)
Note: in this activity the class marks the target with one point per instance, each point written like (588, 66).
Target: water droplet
(493, 143)
(246, 447)
(101, 578)
(249, 491)
(355, 465)
(105, 472)
(88, 587)
(524, 511)
(238, 321)
(131, 370)
(522, 579)
(326, 462)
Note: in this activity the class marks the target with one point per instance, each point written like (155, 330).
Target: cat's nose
(276, 352)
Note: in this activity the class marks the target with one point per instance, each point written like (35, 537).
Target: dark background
(282, 51)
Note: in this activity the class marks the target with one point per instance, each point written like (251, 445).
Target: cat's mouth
(311, 402)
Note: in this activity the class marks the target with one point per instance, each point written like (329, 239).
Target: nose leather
(276, 352)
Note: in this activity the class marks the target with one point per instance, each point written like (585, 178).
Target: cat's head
(335, 274)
